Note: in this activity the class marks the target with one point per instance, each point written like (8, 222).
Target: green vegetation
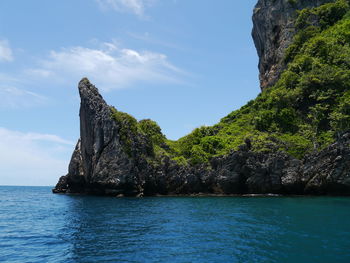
(133, 132)
(302, 112)
(128, 128)
(152, 130)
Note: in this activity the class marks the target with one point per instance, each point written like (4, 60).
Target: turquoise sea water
(37, 226)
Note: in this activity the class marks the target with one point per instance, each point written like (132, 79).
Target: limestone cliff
(101, 164)
(273, 31)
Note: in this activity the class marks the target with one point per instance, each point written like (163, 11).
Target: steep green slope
(305, 109)
(303, 112)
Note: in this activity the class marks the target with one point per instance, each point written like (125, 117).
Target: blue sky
(182, 63)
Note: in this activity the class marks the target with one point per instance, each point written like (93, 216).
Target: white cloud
(109, 67)
(12, 97)
(44, 137)
(5, 51)
(136, 7)
(32, 158)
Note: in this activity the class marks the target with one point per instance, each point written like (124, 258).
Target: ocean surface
(38, 226)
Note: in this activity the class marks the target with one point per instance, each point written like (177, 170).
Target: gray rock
(328, 172)
(273, 31)
(100, 164)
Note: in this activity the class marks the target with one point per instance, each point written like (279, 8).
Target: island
(293, 139)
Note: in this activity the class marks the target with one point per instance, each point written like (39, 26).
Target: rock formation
(101, 164)
(99, 160)
(273, 31)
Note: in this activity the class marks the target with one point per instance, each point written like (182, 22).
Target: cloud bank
(109, 67)
(32, 158)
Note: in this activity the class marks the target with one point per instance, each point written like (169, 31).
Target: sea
(38, 226)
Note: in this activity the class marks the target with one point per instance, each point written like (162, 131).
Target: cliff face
(99, 160)
(101, 164)
(273, 31)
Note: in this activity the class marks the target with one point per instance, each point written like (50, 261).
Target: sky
(182, 63)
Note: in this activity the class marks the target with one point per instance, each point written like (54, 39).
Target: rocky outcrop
(101, 164)
(273, 31)
(328, 172)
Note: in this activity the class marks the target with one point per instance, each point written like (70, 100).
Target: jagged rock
(99, 163)
(328, 172)
(273, 32)
(61, 186)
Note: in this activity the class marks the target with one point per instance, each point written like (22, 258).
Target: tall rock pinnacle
(99, 160)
